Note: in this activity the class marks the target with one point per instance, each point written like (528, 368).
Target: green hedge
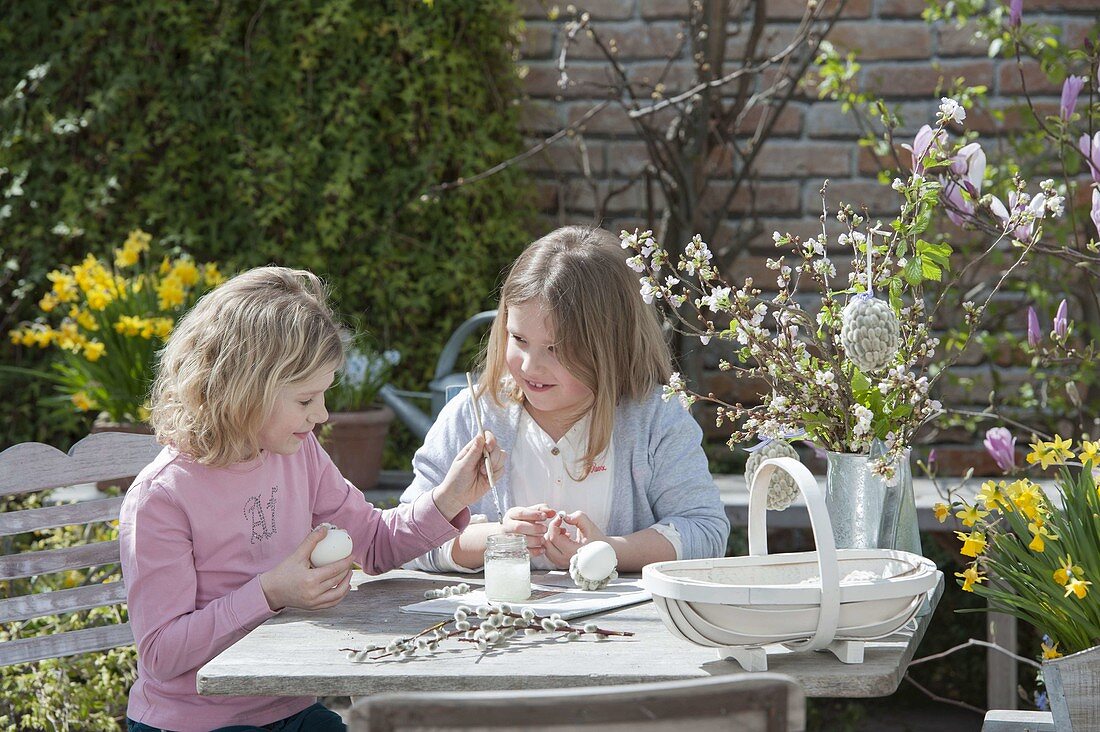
(300, 133)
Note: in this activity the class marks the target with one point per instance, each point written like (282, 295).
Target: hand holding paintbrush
(473, 473)
(488, 461)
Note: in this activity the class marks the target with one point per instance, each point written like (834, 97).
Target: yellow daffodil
(211, 276)
(1039, 534)
(94, 350)
(186, 271)
(970, 515)
(16, 336)
(973, 543)
(1090, 452)
(138, 240)
(1067, 571)
(970, 577)
(170, 293)
(991, 495)
(941, 510)
(1029, 498)
(98, 298)
(64, 286)
(48, 302)
(1080, 588)
(1062, 449)
(82, 402)
(1050, 652)
(84, 319)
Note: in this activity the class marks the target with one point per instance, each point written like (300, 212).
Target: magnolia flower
(1020, 213)
(969, 165)
(1061, 322)
(1090, 148)
(1095, 213)
(1015, 13)
(1001, 446)
(950, 110)
(1034, 335)
(922, 145)
(1071, 89)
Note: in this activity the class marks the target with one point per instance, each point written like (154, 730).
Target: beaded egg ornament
(869, 329)
(594, 565)
(782, 490)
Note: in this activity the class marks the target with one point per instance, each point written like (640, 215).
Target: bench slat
(36, 519)
(33, 466)
(61, 601)
(58, 560)
(66, 644)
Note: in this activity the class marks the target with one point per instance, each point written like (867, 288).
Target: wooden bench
(32, 467)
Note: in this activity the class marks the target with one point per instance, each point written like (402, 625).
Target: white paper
(553, 593)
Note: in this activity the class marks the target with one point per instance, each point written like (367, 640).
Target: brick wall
(903, 58)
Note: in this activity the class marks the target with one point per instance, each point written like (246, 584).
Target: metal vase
(865, 512)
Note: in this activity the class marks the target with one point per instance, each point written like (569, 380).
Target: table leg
(1001, 681)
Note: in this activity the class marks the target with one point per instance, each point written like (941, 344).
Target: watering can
(444, 385)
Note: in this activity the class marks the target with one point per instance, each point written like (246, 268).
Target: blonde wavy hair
(221, 370)
(607, 337)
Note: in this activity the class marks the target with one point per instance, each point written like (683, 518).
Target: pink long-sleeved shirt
(194, 541)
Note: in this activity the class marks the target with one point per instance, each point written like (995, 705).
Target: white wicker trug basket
(827, 599)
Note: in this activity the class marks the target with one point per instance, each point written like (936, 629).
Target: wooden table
(297, 653)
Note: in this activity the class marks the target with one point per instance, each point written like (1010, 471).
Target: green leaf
(913, 272)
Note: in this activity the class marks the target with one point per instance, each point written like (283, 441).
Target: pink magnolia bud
(1071, 89)
(1001, 446)
(1015, 13)
(1061, 322)
(1034, 335)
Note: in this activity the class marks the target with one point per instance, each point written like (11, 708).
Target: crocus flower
(1095, 213)
(1034, 335)
(1090, 148)
(1015, 13)
(1061, 322)
(1001, 446)
(1071, 89)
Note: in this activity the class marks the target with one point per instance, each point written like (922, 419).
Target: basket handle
(828, 568)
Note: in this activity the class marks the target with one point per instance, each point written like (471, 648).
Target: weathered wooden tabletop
(297, 653)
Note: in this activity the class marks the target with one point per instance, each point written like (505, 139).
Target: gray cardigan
(661, 472)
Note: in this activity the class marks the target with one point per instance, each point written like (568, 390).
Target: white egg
(596, 560)
(335, 546)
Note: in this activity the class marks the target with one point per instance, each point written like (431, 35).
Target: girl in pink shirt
(216, 533)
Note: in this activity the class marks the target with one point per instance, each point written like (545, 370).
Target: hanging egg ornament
(869, 332)
(335, 546)
(782, 490)
(593, 566)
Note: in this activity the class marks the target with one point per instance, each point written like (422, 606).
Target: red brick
(787, 123)
(901, 8)
(775, 198)
(870, 165)
(795, 9)
(664, 9)
(633, 40)
(1016, 116)
(613, 119)
(915, 79)
(584, 80)
(877, 40)
(1076, 31)
(541, 116)
(955, 41)
(565, 158)
(878, 198)
(1083, 6)
(829, 120)
(789, 160)
(597, 9)
(538, 41)
(1013, 78)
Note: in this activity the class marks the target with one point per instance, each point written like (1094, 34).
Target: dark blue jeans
(311, 719)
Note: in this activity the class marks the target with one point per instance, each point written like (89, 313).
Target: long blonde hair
(222, 368)
(607, 337)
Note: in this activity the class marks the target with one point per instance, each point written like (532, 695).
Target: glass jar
(507, 568)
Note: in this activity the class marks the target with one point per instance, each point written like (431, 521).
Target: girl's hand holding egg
(530, 521)
(335, 546)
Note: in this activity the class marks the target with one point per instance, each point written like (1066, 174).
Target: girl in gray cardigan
(571, 386)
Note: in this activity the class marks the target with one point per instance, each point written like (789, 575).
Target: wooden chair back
(31, 467)
(759, 702)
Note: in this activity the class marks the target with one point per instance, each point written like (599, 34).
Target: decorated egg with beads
(335, 546)
(593, 566)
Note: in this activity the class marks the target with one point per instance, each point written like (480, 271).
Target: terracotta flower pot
(354, 440)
